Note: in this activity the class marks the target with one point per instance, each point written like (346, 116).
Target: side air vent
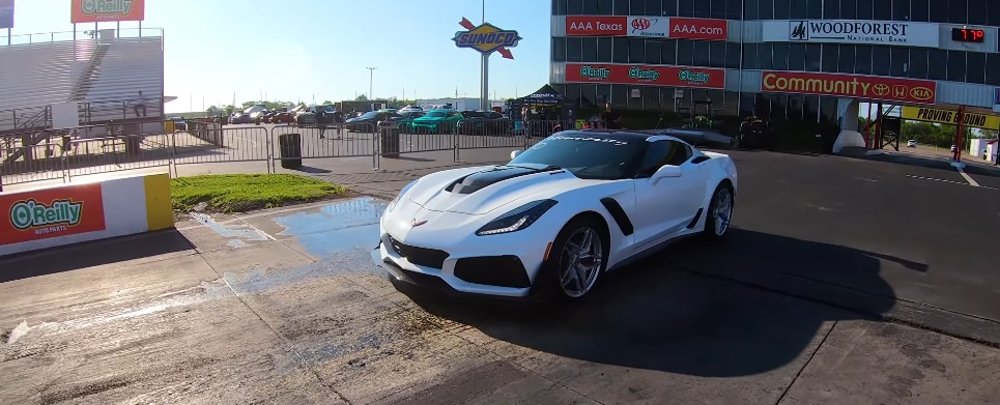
(619, 215)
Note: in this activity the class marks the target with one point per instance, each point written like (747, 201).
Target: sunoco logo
(693, 77)
(643, 74)
(32, 214)
(591, 72)
(107, 6)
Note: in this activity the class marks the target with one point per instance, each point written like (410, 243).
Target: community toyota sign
(901, 33)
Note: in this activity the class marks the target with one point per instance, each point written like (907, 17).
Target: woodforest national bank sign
(900, 33)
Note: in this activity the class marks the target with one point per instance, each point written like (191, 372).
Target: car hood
(426, 118)
(482, 190)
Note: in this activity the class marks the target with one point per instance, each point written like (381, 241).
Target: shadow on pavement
(89, 254)
(976, 168)
(655, 315)
(311, 170)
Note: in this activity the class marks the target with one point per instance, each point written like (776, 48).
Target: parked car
(437, 122)
(308, 116)
(366, 122)
(286, 117)
(911, 144)
(240, 118)
(179, 123)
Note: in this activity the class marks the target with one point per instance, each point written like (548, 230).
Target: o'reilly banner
(900, 33)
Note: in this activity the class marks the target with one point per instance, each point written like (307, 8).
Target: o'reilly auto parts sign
(900, 33)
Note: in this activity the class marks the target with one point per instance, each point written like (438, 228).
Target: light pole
(371, 79)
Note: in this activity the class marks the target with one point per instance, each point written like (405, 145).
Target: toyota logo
(641, 24)
(880, 89)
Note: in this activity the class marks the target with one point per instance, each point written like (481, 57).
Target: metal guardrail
(65, 157)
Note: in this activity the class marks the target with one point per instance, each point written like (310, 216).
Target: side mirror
(667, 171)
(513, 154)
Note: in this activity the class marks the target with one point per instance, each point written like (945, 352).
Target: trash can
(291, 150)
(388, 133)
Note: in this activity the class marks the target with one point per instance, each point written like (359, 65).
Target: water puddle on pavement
(341, 229)
(237, 234)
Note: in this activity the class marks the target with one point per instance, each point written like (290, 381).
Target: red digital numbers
(968, 35)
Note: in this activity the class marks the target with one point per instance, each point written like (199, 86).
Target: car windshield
(435, 114)
(368, 115)
(587, 156)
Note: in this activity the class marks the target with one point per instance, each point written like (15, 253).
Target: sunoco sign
(900, 33)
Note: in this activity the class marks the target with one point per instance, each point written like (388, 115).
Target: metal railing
(83, 33)
(67, 154)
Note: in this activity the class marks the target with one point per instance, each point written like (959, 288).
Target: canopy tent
(545, 96)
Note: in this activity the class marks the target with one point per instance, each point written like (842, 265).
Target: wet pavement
(284, 306)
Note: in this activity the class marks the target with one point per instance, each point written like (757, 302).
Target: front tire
(720, 212)
(578, 257)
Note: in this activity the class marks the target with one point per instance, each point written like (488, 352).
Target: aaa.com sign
(51, 213)
(88, 11)
(658, 75)
(862, 87)
(656, 27)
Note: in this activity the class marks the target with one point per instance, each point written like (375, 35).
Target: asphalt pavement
(843, 281)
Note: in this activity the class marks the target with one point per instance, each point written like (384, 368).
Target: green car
(437, 122)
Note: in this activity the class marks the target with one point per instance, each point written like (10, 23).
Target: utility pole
(371, 80)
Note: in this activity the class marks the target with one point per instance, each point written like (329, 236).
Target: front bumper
(445, 279)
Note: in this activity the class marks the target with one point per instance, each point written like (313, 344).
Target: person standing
(611, 118)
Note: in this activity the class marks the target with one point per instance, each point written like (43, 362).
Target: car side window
(663, 153)
(679, 153)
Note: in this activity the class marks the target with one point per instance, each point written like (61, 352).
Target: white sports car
(549, 222)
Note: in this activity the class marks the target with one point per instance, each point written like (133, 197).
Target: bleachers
(38, 74)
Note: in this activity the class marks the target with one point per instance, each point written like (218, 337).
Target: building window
(937, 62)
(882, 10)
(619, 97)
(650, 98)
(718, 9)
(573, 93)
(976, 68)
(636, 7)
(717, 54)
(794, 108)
(849, 9)
(751, 10)
(881, 58)
(621, 7)
(956, 66)
(559, 7)
(653, 51)
(830, 55)
(846, 62)
(780, 56)
(559, 49)
(587, 95)
(782, 9)
(814, 9)
(574, 51)
(866, 9)
(590, 7)
(863, 59)
(957, 11)
(574, 7)
(702, 9)
(733, 55)
(750, 56)
(685, 8)
(797, 10)
(620, 50)
(669, 54)
(634, 103)
(939, 11)
(734, 9)
(993, 17)
(589, 49)
(796, 57)
(747, 104)
(701, 53)
(831, 9)
(765, 9)
(603, 94)
(920, 10)
(604, 49)
(764, 56)
(828, 109)
(918, 63)
(813, 53)
(993, 69)
(653, 7)
(900, 61)
(977, 12)
(668, 8)
(636, 50)
(901, 10)
(685, 52)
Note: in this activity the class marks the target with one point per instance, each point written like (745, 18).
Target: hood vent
(478, 180)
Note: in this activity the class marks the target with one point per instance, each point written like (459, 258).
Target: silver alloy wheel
(723, 210)
(580, 262)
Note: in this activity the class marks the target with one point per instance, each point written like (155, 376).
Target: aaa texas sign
(662, 27)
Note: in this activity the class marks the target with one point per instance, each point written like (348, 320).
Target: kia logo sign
(922, 93)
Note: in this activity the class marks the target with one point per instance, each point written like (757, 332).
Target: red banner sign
(649, 75)
(585, 25)
(88, 11)
(51, 213)
(699, 28)
(862, 87)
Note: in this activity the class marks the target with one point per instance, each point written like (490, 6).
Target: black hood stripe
(481, 179)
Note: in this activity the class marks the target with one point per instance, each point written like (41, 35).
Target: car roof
(620, 135)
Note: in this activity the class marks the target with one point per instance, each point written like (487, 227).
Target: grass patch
(245, 192)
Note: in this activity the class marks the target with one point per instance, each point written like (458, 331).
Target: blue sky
(294, 49)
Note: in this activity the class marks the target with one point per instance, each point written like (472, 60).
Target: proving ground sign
(969, 119)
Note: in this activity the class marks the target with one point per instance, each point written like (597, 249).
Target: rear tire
(578, 257)
(719, 216)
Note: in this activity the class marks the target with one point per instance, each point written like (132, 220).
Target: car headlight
(517, 219)
(392, 204)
